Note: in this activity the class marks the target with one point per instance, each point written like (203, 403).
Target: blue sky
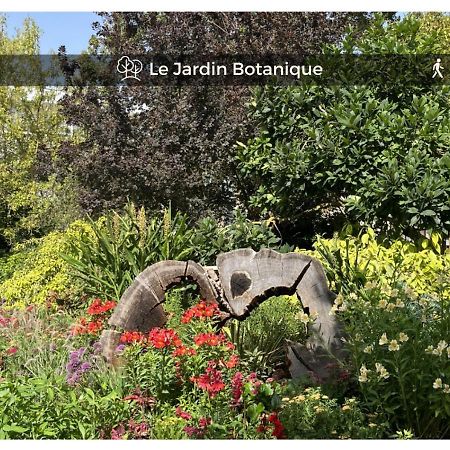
(72, 29)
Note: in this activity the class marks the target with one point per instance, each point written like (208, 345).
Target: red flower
(237, 384)
(182, 350)
(162, 338)
(232, 362)
(210, 339)
(202, 309)
(94, 326)
(11, 350)
(211, 381)
(184, 415)
(141, 399)
(278, 430)
(97, 307)
(129, 337)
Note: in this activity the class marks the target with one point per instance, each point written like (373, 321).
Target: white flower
(394, 293)
(399, 304)
(363, 374)
(303, 317)
(368, 349)
(383, 339)
(429, 349)
(442, 345)
(381, 370)
(353, 296)
(436, 352)
(393, 346)
(437, 383)
(403, 337)
(446, 389)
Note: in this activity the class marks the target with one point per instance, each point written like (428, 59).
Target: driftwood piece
(248, 278)
(240, 281)
(140, 307)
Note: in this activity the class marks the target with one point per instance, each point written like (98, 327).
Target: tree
(153, 145)
(374, 152)
(31, 124)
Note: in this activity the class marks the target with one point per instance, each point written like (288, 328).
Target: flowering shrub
(311, 414)
(99, 312)
(194, 375)
(399, 347)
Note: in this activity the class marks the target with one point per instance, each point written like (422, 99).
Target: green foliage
(122, 245)
(261, 338)
(354, 261)
(376, 153)
(395, 305)
(37, 408)
(32, 200)
(309, 414)
(41, 270)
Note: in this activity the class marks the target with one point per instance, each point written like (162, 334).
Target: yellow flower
(383, 339)
(285, 399)
(403, 337)
(390, 307)
(437, 383)
(346, 408)
(339, 300)
(436, 352)
(372, 425)
(399, 304)
(303, 317)
(370, 285)
(368, 349)
(315, 396)
(393, 346)
(382, 303)
(318, 409)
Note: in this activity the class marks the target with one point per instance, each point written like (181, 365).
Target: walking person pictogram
(437, 68)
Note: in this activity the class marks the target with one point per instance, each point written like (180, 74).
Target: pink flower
(11, 350)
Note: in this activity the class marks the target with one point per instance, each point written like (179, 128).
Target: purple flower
(76, 366)
(120, 348)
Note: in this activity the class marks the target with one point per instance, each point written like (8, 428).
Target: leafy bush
(310, 414)
(395, 305)
(356, 260)
(122, 246)
(39, 268)
(36, 408)
(261, 338)
(376, 153)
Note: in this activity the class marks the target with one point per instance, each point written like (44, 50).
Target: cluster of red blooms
(132, 428)
(128, 337)
(211, 381)
(210, 339)
(198, 431)
(184, 351)
(98, 308)
(202, 309)
(85, 327)
(162, 338)
(139, 397)
(6, 321)
(272, 421)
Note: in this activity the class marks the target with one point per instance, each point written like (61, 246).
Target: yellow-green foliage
(422, 268)
(44, 270)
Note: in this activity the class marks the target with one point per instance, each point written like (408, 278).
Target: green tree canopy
(375, 153)
(31, 199)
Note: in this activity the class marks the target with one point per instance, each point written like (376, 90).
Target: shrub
(394, 303)
(123, 245)
(310, 414)
(41, 269)
(261, 338)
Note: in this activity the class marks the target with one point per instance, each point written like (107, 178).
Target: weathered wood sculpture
(241, 280)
